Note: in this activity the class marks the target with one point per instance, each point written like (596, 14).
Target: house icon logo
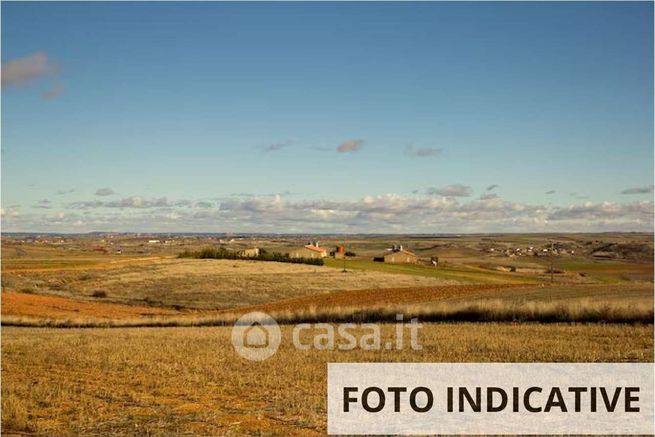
(256, 336)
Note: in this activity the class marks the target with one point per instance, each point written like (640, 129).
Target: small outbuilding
(339, 252)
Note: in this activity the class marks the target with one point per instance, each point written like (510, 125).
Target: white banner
(549, 398)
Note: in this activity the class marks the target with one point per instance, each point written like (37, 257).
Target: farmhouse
(398, 255)
(311, 250)
(340, 252)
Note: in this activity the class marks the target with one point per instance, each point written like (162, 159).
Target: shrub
(151, 302)
(15, 414)
(86, 276)
(222, 253)
(99, 293)
(554, 271)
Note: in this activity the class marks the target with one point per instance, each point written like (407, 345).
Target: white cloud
(137, 202)
(604, 211)
(638, 190)
(351, 145)
(456, 190)
(55, 90)
(24, 71)
(422, 152)
(104, 191)
(277, 146)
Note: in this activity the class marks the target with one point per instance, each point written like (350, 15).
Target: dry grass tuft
(15, 415)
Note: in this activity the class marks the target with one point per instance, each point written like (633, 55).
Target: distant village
(111, 244)
(253, 246)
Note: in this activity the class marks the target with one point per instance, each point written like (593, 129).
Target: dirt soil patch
(39, 306)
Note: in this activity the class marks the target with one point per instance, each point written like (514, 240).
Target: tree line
(223, 253)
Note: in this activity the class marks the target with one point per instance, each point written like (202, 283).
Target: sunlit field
(163, 381)
(182, 180)
(98, 343)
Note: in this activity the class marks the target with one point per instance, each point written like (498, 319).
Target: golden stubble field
(189, 380)
(164, 381)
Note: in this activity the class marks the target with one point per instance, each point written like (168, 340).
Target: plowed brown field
(376, 297)
(56, 307)
(39, 306)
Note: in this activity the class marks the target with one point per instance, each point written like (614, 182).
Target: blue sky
(229, 116)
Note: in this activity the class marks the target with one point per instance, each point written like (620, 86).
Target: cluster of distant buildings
(399, 255)
(395, 255)
(531, 251)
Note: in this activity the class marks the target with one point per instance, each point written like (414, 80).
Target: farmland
(166, 381)
(208, 207)
(167, 365)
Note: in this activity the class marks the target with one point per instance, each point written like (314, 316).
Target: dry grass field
(166, 365)
(631, 303)
(206, 284)
(182, 181)
(164, 381)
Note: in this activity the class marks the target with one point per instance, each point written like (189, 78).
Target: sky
(327, 117)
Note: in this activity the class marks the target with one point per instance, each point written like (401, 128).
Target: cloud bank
(390, 213)
(130, 202)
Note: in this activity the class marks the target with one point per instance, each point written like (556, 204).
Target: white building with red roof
(311, 250)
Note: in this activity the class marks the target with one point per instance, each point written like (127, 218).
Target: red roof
(315, 248)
